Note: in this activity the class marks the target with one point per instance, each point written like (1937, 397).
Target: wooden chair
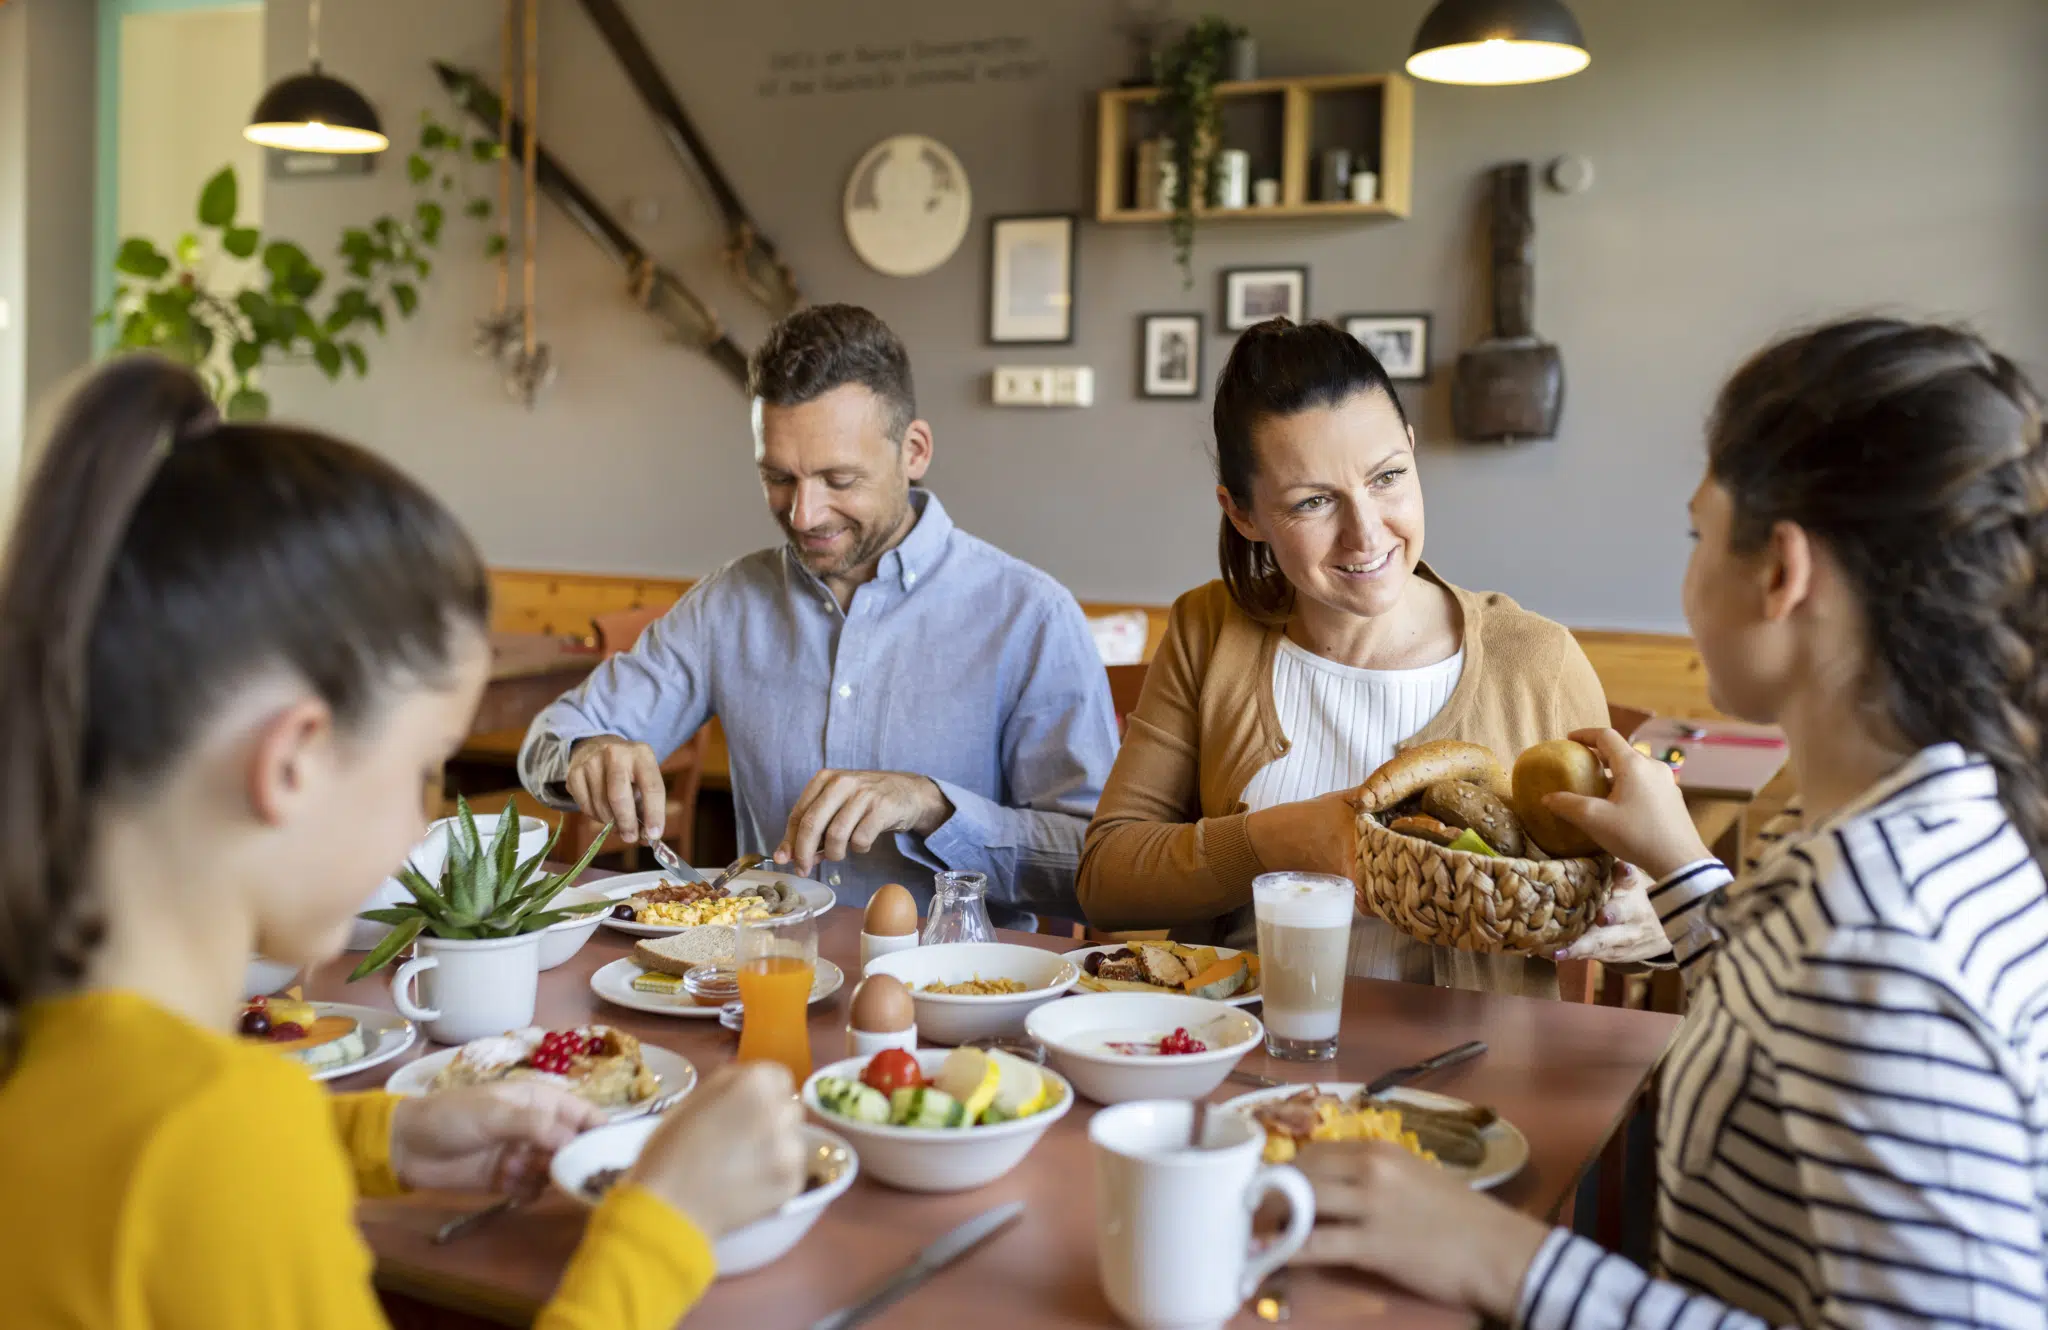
(618, 630)
(1126, 685)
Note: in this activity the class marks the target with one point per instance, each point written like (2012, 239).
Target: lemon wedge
(971, 1077)
(1022, 1090)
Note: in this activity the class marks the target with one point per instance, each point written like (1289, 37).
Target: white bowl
(264, 977)
(1074, 1030)
(956, 1018)
(749, 1248)
(558, 942)
(937, 1158)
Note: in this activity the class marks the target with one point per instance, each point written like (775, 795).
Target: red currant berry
(288, 1030)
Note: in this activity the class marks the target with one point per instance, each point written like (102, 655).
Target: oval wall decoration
(907, 205)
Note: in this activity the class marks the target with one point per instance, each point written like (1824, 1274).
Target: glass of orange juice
(777, 958)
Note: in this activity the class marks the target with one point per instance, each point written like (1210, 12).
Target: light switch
(1042, 385)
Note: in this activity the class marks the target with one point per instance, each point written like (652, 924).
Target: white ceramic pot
(1173, 1223)
(469, 989)
(935, 1159)
(749, 1247)
(956, 1018)
(1075, 1032)
(429, 857)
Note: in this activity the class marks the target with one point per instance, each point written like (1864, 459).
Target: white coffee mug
(429, 857)
(1173, 1223)
(469, 989)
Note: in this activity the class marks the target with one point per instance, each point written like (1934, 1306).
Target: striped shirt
(1852, 1129)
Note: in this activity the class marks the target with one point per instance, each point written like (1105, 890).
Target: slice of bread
(678, 952)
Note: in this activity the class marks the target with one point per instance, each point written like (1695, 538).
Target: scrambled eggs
(728, 911)
(1336, 1122)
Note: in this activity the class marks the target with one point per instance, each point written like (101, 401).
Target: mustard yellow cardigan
(154, 1174)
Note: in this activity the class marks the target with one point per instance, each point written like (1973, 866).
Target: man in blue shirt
(898, 696)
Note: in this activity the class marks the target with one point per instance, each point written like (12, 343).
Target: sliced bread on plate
(678, 952)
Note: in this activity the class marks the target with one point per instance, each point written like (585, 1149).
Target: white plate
(1507, 1150)
(676, 1073)
(1222, 954)
(614, 983)
(817, 897)
(385, 1035)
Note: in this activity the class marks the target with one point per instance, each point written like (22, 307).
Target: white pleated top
(1342, 723)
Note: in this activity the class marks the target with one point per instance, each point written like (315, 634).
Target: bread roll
(1424, 828)
(1548, 768)
(1459, 803)
(1416, 769)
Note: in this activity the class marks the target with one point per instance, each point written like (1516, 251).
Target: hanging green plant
(1187, 72)
(229, 320)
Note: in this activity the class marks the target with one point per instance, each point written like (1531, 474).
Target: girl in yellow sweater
(229, 653)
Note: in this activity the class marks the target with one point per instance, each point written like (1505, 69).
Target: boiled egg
(892, 912)
(880, 1005)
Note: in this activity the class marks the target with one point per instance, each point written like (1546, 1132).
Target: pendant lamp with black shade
(314, 112)
(1498, 42)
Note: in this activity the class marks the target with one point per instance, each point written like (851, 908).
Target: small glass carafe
(959, 910)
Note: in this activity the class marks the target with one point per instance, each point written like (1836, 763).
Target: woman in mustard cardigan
(1327, 645)
(229, 653)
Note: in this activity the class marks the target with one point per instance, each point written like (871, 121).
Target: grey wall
(1760, 164)
(47, 109)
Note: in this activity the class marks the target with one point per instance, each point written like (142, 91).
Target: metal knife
(1402, 1075)
(923, 1266)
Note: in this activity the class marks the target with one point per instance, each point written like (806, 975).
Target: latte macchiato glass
(1304, 922)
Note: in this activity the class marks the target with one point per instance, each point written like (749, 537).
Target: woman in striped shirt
(1854, 1129)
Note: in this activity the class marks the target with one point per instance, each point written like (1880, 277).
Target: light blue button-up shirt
(956, 662)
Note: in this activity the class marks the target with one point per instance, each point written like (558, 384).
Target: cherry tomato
(891, 1070)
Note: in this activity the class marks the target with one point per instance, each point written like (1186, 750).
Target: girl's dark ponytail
(98, 461)
(160, 559)
(1916, 454)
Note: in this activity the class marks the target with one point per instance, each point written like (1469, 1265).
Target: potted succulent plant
(1187, 72)
(479, 930)
(484, 892)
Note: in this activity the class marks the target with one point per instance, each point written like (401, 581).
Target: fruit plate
(817, 897)
(614, 983)
(1080, 958)
(1507, 1150)
(385, 1036)
(678, 1078)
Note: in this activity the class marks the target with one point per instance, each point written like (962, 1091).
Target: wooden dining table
(1566, 1074)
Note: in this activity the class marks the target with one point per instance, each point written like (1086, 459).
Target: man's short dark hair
(824, 347)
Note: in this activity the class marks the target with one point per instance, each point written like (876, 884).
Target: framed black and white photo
(1253, 295)
(1031, 279)
(1399, 341)
(1170, 355)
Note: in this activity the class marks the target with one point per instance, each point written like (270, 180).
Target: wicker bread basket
(1477, 902)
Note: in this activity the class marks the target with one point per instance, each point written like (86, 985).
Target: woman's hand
(1382, 1210)
(485, 1137)
(1643, 820)
(732, 1152)
(1308, 836)
(1629, 929)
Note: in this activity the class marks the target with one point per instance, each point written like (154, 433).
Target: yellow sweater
(154, 1175)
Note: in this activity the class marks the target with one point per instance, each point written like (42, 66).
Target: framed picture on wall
(1399, 341)
(1170, 355)
(1253, 295)
(1031, 279)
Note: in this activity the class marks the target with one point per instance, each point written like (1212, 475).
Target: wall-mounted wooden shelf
(1285, 124)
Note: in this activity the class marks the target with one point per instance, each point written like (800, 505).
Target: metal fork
(464, 1223)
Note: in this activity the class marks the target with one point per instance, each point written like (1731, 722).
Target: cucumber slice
(923, 1107)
